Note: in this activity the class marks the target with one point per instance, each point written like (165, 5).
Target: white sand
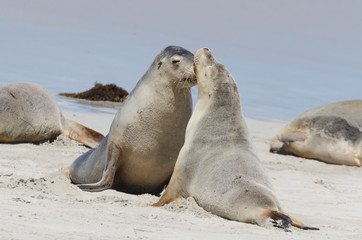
(38, 202)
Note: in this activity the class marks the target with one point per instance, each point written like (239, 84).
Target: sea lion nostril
(206, 49)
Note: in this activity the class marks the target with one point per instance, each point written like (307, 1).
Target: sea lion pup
(331, 133)
(147, 133)
(29, 113)
(218, 165)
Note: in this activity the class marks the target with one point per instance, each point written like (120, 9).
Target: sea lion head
(212, 76)
(177, 64)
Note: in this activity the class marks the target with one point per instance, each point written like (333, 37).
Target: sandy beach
(286, 56)
(39, 202)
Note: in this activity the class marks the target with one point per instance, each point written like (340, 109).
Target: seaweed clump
(100, 92)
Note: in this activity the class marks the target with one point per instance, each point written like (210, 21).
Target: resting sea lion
(147, 133)
(331, 133)
(218, 165)
(29, 113)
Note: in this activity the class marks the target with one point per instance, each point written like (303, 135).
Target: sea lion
(218, 165)
(139, 153)
(29, 113)
(331, 133)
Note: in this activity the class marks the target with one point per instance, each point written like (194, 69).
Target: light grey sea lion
(29, 113)
(218, 165)
(331, 133)
(147, 133)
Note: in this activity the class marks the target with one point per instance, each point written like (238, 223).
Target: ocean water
(286, 56)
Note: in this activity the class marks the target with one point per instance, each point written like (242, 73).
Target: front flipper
(104, 184)
(166, 198)
(110, 169)
(172, 192)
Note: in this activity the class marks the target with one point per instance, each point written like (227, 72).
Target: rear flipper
(280, 220)
(283, 221)
(81, 134)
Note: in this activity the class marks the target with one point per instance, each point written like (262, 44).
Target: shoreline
(92, 103)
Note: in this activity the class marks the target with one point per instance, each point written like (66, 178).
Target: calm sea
(286, 56)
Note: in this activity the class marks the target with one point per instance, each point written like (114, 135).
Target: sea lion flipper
(284, 221)
(80, 133)
(280, 220)
(96, 187)
(165, 199)
(112, 164)
(171, 193)
(103, 184)
(301, 225)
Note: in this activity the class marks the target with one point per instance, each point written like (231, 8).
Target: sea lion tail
(283, 221)
(82, 134)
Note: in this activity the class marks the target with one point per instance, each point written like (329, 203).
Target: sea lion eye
(176, 60)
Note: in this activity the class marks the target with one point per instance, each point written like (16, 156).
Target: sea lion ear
(176, 60)
(159, 65)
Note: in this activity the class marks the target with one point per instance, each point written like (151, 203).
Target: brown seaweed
(100, 92)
